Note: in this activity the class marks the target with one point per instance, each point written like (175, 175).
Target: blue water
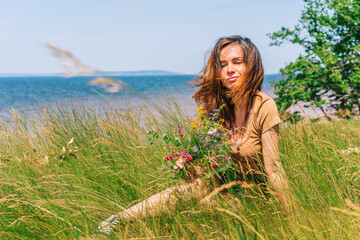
(36, 91)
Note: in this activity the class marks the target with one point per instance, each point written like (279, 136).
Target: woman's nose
(230, 68)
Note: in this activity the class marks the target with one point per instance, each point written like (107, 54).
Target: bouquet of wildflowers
(203, 151)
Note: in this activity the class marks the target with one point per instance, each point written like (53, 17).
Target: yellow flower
(201, 111)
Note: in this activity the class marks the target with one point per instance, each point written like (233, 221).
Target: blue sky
(138, 35)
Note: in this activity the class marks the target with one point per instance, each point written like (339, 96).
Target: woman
(233, 76)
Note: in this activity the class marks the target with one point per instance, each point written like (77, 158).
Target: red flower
(214, 166)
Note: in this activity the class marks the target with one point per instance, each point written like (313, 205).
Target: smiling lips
(232, 79)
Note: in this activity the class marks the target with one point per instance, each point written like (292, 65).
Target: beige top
(247, 150)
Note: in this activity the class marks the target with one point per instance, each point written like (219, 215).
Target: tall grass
(65, 171)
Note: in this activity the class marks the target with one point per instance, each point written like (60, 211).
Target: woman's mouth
(232, 79)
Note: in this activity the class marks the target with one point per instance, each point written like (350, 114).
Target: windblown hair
(212, 93)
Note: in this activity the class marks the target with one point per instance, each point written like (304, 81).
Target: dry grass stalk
(242, 220)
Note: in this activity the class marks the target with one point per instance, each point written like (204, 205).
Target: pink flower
(179, 129)
(168, 158)
(188, 157)
(181, 135)
(176, 155)
(183, 152)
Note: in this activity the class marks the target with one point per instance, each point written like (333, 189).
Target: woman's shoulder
(261, 98)
(261, 95)
(266, 113)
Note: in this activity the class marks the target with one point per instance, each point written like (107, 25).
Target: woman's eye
(238, 62)
(223, 65)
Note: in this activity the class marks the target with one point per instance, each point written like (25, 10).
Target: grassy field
(64, 172)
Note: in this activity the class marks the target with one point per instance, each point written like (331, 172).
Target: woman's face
(232, 64)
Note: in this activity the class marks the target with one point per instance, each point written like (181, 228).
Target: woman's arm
(272, 164)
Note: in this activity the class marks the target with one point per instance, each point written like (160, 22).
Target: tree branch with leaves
(327, 74)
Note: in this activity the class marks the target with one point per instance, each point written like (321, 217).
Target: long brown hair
(212, 93)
